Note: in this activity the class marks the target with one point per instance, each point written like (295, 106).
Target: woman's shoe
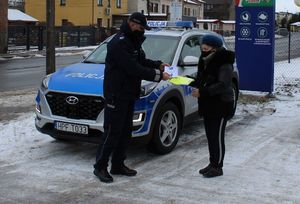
(204, 170)
(213, 172)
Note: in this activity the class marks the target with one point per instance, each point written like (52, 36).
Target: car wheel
(166, 129)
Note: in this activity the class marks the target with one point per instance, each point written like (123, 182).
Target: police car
(69, 103)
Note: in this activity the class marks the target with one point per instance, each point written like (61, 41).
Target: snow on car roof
(177, 32)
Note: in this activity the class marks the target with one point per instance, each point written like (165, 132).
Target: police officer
(126, 65)
(215, 98)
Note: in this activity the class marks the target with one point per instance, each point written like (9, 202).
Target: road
(261, 163)
(28, 73)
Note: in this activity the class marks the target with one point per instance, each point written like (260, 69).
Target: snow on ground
(261, 163)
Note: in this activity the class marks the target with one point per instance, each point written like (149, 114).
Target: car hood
(79, 78)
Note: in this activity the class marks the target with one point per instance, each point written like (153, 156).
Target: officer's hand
(162, 66)
(166, 76)
(196, 93)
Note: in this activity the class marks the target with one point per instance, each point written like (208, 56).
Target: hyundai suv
(70, 103)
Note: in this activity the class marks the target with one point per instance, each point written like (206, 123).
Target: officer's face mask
(138, 34)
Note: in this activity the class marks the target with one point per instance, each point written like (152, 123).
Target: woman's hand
(196, 93)
(166, 76)
(162, 66)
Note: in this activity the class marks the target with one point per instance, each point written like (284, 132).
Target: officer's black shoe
(213, 172)
(122, 170)
(205, 169)
(103, 175)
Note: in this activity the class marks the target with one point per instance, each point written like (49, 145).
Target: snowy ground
(261, 163)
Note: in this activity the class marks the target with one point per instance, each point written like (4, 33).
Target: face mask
(138, 34)
(205, 54)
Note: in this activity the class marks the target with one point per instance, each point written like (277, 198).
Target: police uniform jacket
(126, 65)
(214, 83)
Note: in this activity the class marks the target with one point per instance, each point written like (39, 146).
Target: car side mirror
(190, 61)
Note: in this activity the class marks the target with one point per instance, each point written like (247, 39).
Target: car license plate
(70, 127)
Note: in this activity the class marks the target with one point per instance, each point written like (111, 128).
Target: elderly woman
(215, 98)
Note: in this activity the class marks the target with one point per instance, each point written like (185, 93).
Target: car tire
(166, 130)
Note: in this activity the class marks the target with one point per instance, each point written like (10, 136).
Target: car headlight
(45, 82)
(147, 87)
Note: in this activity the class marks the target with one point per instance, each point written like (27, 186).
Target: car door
(188, 63)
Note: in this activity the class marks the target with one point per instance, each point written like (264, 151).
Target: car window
(161, 48)
(156, 48)
(98, 56)
(191, 47)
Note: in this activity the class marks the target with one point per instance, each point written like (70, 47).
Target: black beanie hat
(212, 40)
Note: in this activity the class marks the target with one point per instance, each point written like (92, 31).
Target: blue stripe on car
(79, 78)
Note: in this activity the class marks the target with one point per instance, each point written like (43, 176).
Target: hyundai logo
(72, 100)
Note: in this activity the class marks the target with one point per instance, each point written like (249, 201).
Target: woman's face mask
(206, 50)
(205, 53)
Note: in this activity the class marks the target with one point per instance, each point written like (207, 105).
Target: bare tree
(3, 25)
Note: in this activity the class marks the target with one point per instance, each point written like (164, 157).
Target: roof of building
(207, 20)
(16, 15)
(215, 21)
(196, 2)
(295, 24)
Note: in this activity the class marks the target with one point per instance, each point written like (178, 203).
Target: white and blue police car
(69, 103)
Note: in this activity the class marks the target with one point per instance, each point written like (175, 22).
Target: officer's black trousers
(118, 116)
(215, 133)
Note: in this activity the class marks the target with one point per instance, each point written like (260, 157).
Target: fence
(34, 37)
(287, 59)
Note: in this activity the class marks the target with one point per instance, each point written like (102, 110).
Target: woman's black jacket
(214, 80)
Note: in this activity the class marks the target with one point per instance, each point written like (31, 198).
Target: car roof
(178, 32)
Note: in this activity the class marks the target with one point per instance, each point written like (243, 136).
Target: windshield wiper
(89, 62)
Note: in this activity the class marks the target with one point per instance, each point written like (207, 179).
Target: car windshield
(160, 47)
(156, 48)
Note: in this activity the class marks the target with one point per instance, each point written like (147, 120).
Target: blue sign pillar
(254, 44)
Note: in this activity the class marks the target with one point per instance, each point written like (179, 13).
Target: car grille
(88, 107)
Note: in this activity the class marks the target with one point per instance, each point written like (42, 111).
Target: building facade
(193, 9)
(78, 12)
(219, 9)
(16, 4)
(156, 7)
(190, 8)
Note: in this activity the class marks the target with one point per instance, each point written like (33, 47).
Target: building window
(62, 2)
(99, 22)
(154, 7)
(108, 3)
(100, 2)
(163, 8)
(118, 3)
(194, 12)
(168, 9)
(108, 23)
(64, 22)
